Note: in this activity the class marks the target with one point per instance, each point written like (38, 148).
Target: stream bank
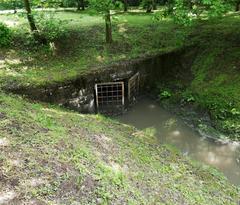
(171, 74)
(78, 94)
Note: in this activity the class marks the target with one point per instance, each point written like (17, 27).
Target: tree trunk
(15, 7)
(154, 5)
(30, 16)
(83, 5)
(80, 5)
(33, 27)
(238, 6)
(108, 27)
(125, 6)
(149, 8)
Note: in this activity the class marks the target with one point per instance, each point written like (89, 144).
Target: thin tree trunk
(80, 5)
(33, 27)
(30, 16)
(108, 27)
(83, 5)
(125, 6)
(149, 8)
(15, 7)
(154, 5)
(238, 6)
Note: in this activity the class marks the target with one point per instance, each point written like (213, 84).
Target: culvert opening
(109, 97)
(114, 97)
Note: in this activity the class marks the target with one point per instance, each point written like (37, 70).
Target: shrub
(235, 112)
(165, 95)
(5, 35)
(50, 27)
(188, 97)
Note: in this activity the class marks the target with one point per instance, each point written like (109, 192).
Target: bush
(50, 27)
(188, 97)
(165, 95)
(5, 35)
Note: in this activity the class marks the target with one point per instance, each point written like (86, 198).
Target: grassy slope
(51, 155)
(84, 48)
(215, 86)
(216, 70)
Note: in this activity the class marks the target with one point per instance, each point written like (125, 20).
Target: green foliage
(165, 95)
(19, 4)
(11, 4)
(185, 11)
(69, 3)
(147, 4)
(5, 35)
(50, 4)
(50, 27)
(188, 97)
(235, 112)
(104, 6)
(232, 127)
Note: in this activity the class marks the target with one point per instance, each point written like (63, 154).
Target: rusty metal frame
(133, 87)
(111, 94)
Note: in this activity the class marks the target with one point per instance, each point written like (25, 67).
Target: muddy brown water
(147, 114)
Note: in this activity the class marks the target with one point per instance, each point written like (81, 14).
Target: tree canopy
(184, 11)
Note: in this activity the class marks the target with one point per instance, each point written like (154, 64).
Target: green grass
(53, 155)
(84, 48)
(215, 82)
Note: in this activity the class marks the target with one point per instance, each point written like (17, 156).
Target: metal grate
(110, 97)
(133, 88)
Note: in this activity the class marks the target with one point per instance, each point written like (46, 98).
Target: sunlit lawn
(79, 19)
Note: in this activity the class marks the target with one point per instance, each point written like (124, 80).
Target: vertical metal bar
(96, 90)
(133, 86)
(129, 90)
(122, 94)
(138, 83)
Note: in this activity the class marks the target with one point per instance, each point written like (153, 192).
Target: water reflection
(225, 157)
